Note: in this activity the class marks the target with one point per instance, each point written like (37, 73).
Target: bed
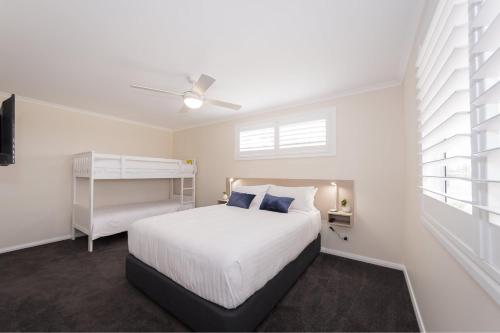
(248, 258)
(110, 220)
(89, 168)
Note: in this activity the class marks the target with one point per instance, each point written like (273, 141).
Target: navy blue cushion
(242, 200)
(276, 204)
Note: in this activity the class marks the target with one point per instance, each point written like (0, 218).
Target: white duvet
(223, 254)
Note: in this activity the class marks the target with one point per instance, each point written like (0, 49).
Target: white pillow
(304, 196)
(258, 190)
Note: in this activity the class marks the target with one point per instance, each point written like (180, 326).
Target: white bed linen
(223, 254)
(110, 220)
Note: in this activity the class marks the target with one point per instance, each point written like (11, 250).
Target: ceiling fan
(195, 98)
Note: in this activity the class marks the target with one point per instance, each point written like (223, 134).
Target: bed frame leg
(90, 244)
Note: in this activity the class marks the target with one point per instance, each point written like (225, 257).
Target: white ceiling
(264, 54)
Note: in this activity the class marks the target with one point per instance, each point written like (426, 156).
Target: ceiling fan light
(193, 102)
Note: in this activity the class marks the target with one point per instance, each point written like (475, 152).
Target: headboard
(325, 196)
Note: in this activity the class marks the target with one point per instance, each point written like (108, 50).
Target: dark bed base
(202, 315)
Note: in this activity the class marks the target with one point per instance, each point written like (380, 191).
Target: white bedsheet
(110, 220)
(223, 254)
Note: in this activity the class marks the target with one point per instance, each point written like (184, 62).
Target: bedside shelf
(340, 219)
(222, 202)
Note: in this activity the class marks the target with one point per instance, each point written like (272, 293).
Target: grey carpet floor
(62, 287)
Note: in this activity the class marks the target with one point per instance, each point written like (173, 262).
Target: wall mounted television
(7, 131)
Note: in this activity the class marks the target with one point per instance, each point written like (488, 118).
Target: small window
(257, 140)
(303, 134)
(299, 135)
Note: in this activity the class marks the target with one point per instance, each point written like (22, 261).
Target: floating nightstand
(340, 219)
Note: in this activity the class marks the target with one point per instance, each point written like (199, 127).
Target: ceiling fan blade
(156, 90)
(222, 104)
(203, 83)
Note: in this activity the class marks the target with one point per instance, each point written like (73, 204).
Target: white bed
(110, 220)
(106, 221)
(238, 250)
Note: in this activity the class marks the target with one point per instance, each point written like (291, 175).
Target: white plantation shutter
(485, 74)
(485, 114)
(299, 135)
(256, 140)
(303, 134)
(458, 81)
(444, 105)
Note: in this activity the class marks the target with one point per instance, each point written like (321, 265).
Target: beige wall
(369, 151)
(35, 193)
(448, 298)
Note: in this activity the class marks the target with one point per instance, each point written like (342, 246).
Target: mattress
(223, 254)
(110, 220)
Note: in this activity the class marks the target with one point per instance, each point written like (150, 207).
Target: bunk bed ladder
(192, 189)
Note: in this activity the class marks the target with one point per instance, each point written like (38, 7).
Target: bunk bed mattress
(110, 220)
(222, 254)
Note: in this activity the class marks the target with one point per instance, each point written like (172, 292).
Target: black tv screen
(7, 131)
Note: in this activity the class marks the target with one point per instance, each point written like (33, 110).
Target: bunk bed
(90, 167)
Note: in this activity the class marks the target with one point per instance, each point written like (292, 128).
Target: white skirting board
(414, 302)
(32, 244)
(388, 264)
(358, 257)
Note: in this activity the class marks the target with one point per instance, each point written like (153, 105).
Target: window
(298, 135)
(257, 140)
(303, 134)
(485, 96)
(443, 83)
(458, 82)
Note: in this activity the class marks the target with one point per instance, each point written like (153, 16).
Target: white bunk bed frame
(94, 166)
